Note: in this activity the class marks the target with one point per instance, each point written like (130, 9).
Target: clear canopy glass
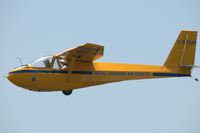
(42, 62)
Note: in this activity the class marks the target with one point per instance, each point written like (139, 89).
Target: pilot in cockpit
(63, 63)
(46, 63)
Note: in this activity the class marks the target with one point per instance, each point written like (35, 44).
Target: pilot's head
(46, 63)
(63, 62)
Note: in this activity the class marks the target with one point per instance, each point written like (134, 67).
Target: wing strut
(70, 68)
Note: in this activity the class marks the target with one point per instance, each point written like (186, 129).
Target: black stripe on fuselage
(90, 73)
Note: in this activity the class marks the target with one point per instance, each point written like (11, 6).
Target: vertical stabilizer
(183, 51)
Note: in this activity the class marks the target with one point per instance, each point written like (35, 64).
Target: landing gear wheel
(67, 92)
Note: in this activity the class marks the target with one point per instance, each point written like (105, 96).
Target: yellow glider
(75, 68)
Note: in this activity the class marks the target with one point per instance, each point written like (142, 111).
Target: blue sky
(138, 32)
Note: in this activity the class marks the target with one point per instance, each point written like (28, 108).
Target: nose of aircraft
(17, 78)
(13, 78)
(10, 77)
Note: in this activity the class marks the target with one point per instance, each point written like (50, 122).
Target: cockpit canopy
(42, 62)
(50, 62)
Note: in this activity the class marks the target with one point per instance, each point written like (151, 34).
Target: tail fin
(183, 51)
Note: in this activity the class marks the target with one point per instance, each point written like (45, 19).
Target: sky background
(132, 31)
